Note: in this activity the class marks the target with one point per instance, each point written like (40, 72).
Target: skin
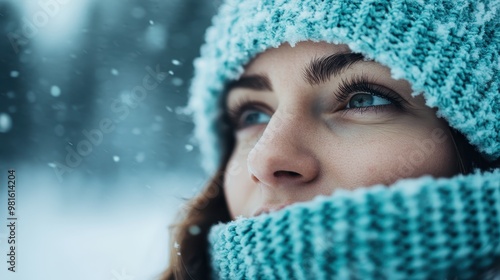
(302, 142)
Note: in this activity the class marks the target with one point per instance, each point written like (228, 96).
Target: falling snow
(55, 91)
(156, 127)
(156, 37)
(136, 131)
(140, 157)
(31, 96)
(177, 82)
(5, 123)
(99, 79)
(194, 230)
(126, 97)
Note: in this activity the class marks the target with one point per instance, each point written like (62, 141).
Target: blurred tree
(15, 119)
(55, 93)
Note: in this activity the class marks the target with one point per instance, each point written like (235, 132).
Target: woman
(352, 140)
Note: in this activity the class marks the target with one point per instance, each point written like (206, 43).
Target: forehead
(300, 53)
(284, 68)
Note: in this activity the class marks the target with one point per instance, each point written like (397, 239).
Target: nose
(283, 156)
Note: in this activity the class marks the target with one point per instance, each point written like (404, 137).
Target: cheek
(238, 188)
(387, 157)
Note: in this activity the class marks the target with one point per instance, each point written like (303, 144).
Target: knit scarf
(424, 228)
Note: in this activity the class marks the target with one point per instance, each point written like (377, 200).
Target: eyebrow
(319, 70)
(255, 82)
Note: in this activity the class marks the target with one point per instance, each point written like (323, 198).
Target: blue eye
(361, 100)
(253, 117)
(247, 113)
(359, 95)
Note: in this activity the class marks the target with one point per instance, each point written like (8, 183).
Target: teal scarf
(421, 228)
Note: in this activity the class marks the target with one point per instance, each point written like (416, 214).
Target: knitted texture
(447, 49)
(421, 228)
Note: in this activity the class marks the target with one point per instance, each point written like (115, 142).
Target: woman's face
(314, 118)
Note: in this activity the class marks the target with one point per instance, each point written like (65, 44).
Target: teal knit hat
(447, 49)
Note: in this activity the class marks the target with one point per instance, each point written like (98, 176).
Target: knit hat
(447, 49)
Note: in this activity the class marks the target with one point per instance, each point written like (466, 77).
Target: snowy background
(91, 119)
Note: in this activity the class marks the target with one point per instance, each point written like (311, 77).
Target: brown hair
(188, 247)
(469, 157)
(189, 252)
(190, 260)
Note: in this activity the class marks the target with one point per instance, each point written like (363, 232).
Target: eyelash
(347, 88)
(234, 114)
(360, 84)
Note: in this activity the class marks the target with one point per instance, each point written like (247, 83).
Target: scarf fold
(422, 228)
